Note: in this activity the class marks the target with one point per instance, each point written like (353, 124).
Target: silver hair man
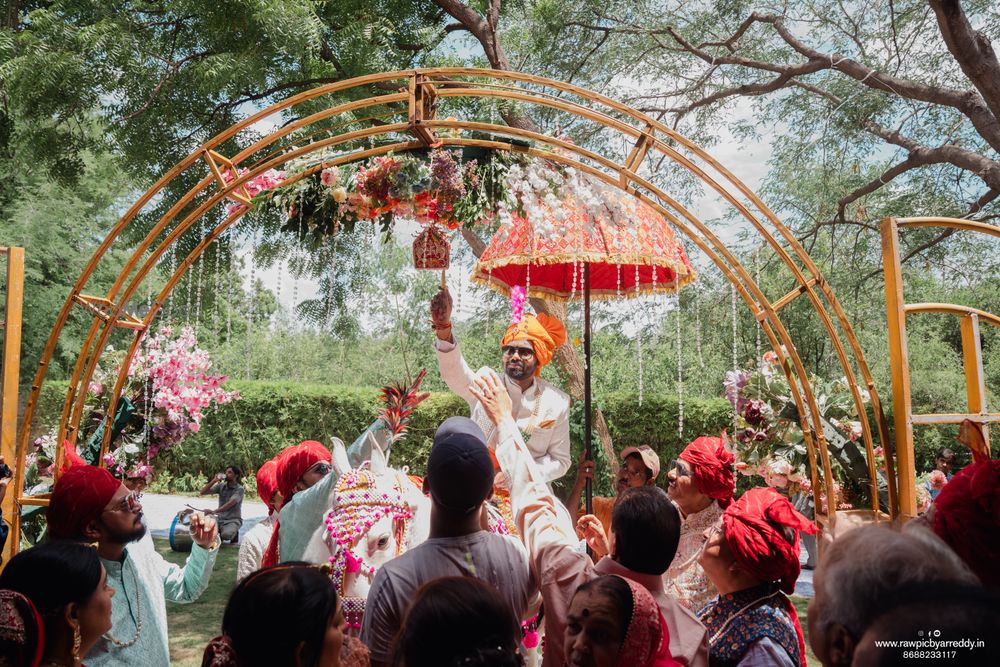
(862, 568)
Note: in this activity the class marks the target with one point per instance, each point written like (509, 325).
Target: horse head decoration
(377, 513)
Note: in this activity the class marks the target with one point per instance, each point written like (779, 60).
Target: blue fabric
(733, 626)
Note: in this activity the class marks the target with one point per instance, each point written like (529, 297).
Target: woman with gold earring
(66, 584)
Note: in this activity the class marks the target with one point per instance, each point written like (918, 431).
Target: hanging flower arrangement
(437, 190)
(768, 439)
(166, 394)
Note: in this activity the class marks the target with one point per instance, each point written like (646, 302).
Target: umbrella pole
(588, 426)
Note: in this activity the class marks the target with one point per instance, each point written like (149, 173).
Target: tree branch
(972, 49)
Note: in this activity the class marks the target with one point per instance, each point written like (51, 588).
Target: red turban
(753, 527)
(967, 517)
(545, 333)
(713, 468)
(79, 497)
(295, 460)
(267, 483)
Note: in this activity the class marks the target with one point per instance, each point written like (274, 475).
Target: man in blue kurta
(89, 505)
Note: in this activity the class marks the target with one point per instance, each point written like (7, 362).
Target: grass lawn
(192, 625)
(801, 605)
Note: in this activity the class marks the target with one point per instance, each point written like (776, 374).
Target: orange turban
(545, 333)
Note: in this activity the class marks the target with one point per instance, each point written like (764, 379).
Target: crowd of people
(686, 575)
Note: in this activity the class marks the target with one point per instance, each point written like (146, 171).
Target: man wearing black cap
(459, 480)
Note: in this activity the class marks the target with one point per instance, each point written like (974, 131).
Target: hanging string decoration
(736, 364)
(680, 374)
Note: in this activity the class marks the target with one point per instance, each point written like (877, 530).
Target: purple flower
(734, 383)
(753, 412)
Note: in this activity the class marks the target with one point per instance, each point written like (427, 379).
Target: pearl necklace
(735, 615)
(138, 615)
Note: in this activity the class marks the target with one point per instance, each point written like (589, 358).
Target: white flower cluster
(547, 195)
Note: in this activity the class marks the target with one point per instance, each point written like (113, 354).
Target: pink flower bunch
(517, 296)
(180, 386)
(268, 180)
(937, 480)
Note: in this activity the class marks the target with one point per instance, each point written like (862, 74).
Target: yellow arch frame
(420, 90)
(972, 351)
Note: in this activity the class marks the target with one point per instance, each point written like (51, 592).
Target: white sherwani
(541, 412)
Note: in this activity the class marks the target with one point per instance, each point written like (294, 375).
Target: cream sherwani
(541, 412)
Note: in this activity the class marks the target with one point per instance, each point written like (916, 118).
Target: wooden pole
(588, 426)
(8, 395)
(895, 313)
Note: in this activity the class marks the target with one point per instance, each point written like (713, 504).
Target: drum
(180, 531)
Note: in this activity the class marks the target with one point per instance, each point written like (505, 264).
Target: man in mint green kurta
(89, 505)
(143, 580)
(303, 514)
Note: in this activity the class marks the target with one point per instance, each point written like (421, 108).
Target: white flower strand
(680, 375)
(756, 264)
(172, 261)
(697, 324)
(199, 270)
(736, 364)
(252, 302)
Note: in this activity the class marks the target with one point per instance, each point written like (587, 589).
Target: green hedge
(273, 415)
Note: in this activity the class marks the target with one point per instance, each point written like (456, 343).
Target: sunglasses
(523, 352)
(130, 503)
(321, 467)
(681, 468)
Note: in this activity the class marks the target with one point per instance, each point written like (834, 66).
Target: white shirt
(541, 412)
(252, 547)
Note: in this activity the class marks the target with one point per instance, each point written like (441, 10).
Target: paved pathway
(160, 511)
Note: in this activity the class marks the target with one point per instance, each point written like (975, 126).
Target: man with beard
(89, 505)
(540, 411)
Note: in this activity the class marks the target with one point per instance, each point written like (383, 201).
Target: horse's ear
(340, 463)
(379, 462)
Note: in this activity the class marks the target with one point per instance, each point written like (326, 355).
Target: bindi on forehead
(586, 612)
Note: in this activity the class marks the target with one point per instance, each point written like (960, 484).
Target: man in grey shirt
(229, 513)
(459, 480)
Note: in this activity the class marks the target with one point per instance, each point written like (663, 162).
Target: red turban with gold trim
(544, 332)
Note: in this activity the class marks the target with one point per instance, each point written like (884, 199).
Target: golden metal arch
(412, 112)
(969, 320)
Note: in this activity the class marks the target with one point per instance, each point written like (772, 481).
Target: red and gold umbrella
(631, 245)
(617, 250)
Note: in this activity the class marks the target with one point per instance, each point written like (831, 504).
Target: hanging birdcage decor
(431, 250)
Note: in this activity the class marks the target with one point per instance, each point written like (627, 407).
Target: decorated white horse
(377, 513)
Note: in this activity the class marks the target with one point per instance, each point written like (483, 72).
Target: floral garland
(167, 391)
(433, 190)
(768, 439)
